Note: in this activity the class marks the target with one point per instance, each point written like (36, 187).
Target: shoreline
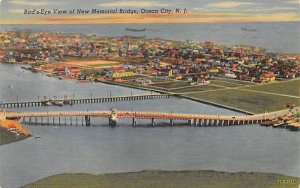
(180, 96)
(166, 178)
(13, 131)
(165, 92)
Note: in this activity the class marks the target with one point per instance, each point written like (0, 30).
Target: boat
(135, 30)
(267, 123)
(249, 30)
(57, 103)
(279, 124)
(47, 103)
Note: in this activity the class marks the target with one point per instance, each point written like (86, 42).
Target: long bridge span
(83, 117)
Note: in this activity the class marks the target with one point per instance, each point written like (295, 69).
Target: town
(191, 68)
(188, 60)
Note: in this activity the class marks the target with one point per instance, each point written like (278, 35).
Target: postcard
(149, 93)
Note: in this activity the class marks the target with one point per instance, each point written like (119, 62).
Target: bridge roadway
(65, 101)
(193, 119)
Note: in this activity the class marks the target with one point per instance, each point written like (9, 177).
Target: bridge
(84, 117)
(67, 101)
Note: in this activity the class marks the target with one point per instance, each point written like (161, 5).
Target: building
(267, 77)
(143, 81)
(122, 74)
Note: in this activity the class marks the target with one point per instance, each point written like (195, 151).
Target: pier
(67, 101)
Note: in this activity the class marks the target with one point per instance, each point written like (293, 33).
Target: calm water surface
(101, 149)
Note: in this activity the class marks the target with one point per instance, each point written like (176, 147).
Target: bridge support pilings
(213, 122)
(221, 122)
(153, 122)
(200, 122)
(87, 120)
(203, 122)
(208, 122)
(195, 122)
(217, 122)
(171, 122)
(226, 122)
(133, 121)
(112, 122)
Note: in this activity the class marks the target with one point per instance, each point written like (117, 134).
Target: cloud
(262, 9)
(28, 3)
(228, 4)
(16, 11)
(133, 4)
(192, 17)
(294, 1)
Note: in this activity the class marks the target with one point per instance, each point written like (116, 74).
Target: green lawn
(283, 87)
(195, 88)
(167, 179)
(225, 83)
(173, 84)
(235, 81)
(247, 100)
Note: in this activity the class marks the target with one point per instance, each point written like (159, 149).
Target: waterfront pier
(67, 101)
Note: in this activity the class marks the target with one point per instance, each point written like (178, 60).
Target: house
(203, 81)
(9, 59)
(230, 75)
(75, 70)
(267, 77)
(60, 70)
(213, 70)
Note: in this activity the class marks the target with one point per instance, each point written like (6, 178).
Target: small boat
(10, 86)
(249, 30)
(57, 103)
(135, 30)
(278, 124)
(48, 103)
(267, 123)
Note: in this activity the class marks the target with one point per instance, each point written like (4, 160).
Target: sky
(12, 11)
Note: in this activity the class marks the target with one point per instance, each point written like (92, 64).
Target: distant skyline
(12, 11)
